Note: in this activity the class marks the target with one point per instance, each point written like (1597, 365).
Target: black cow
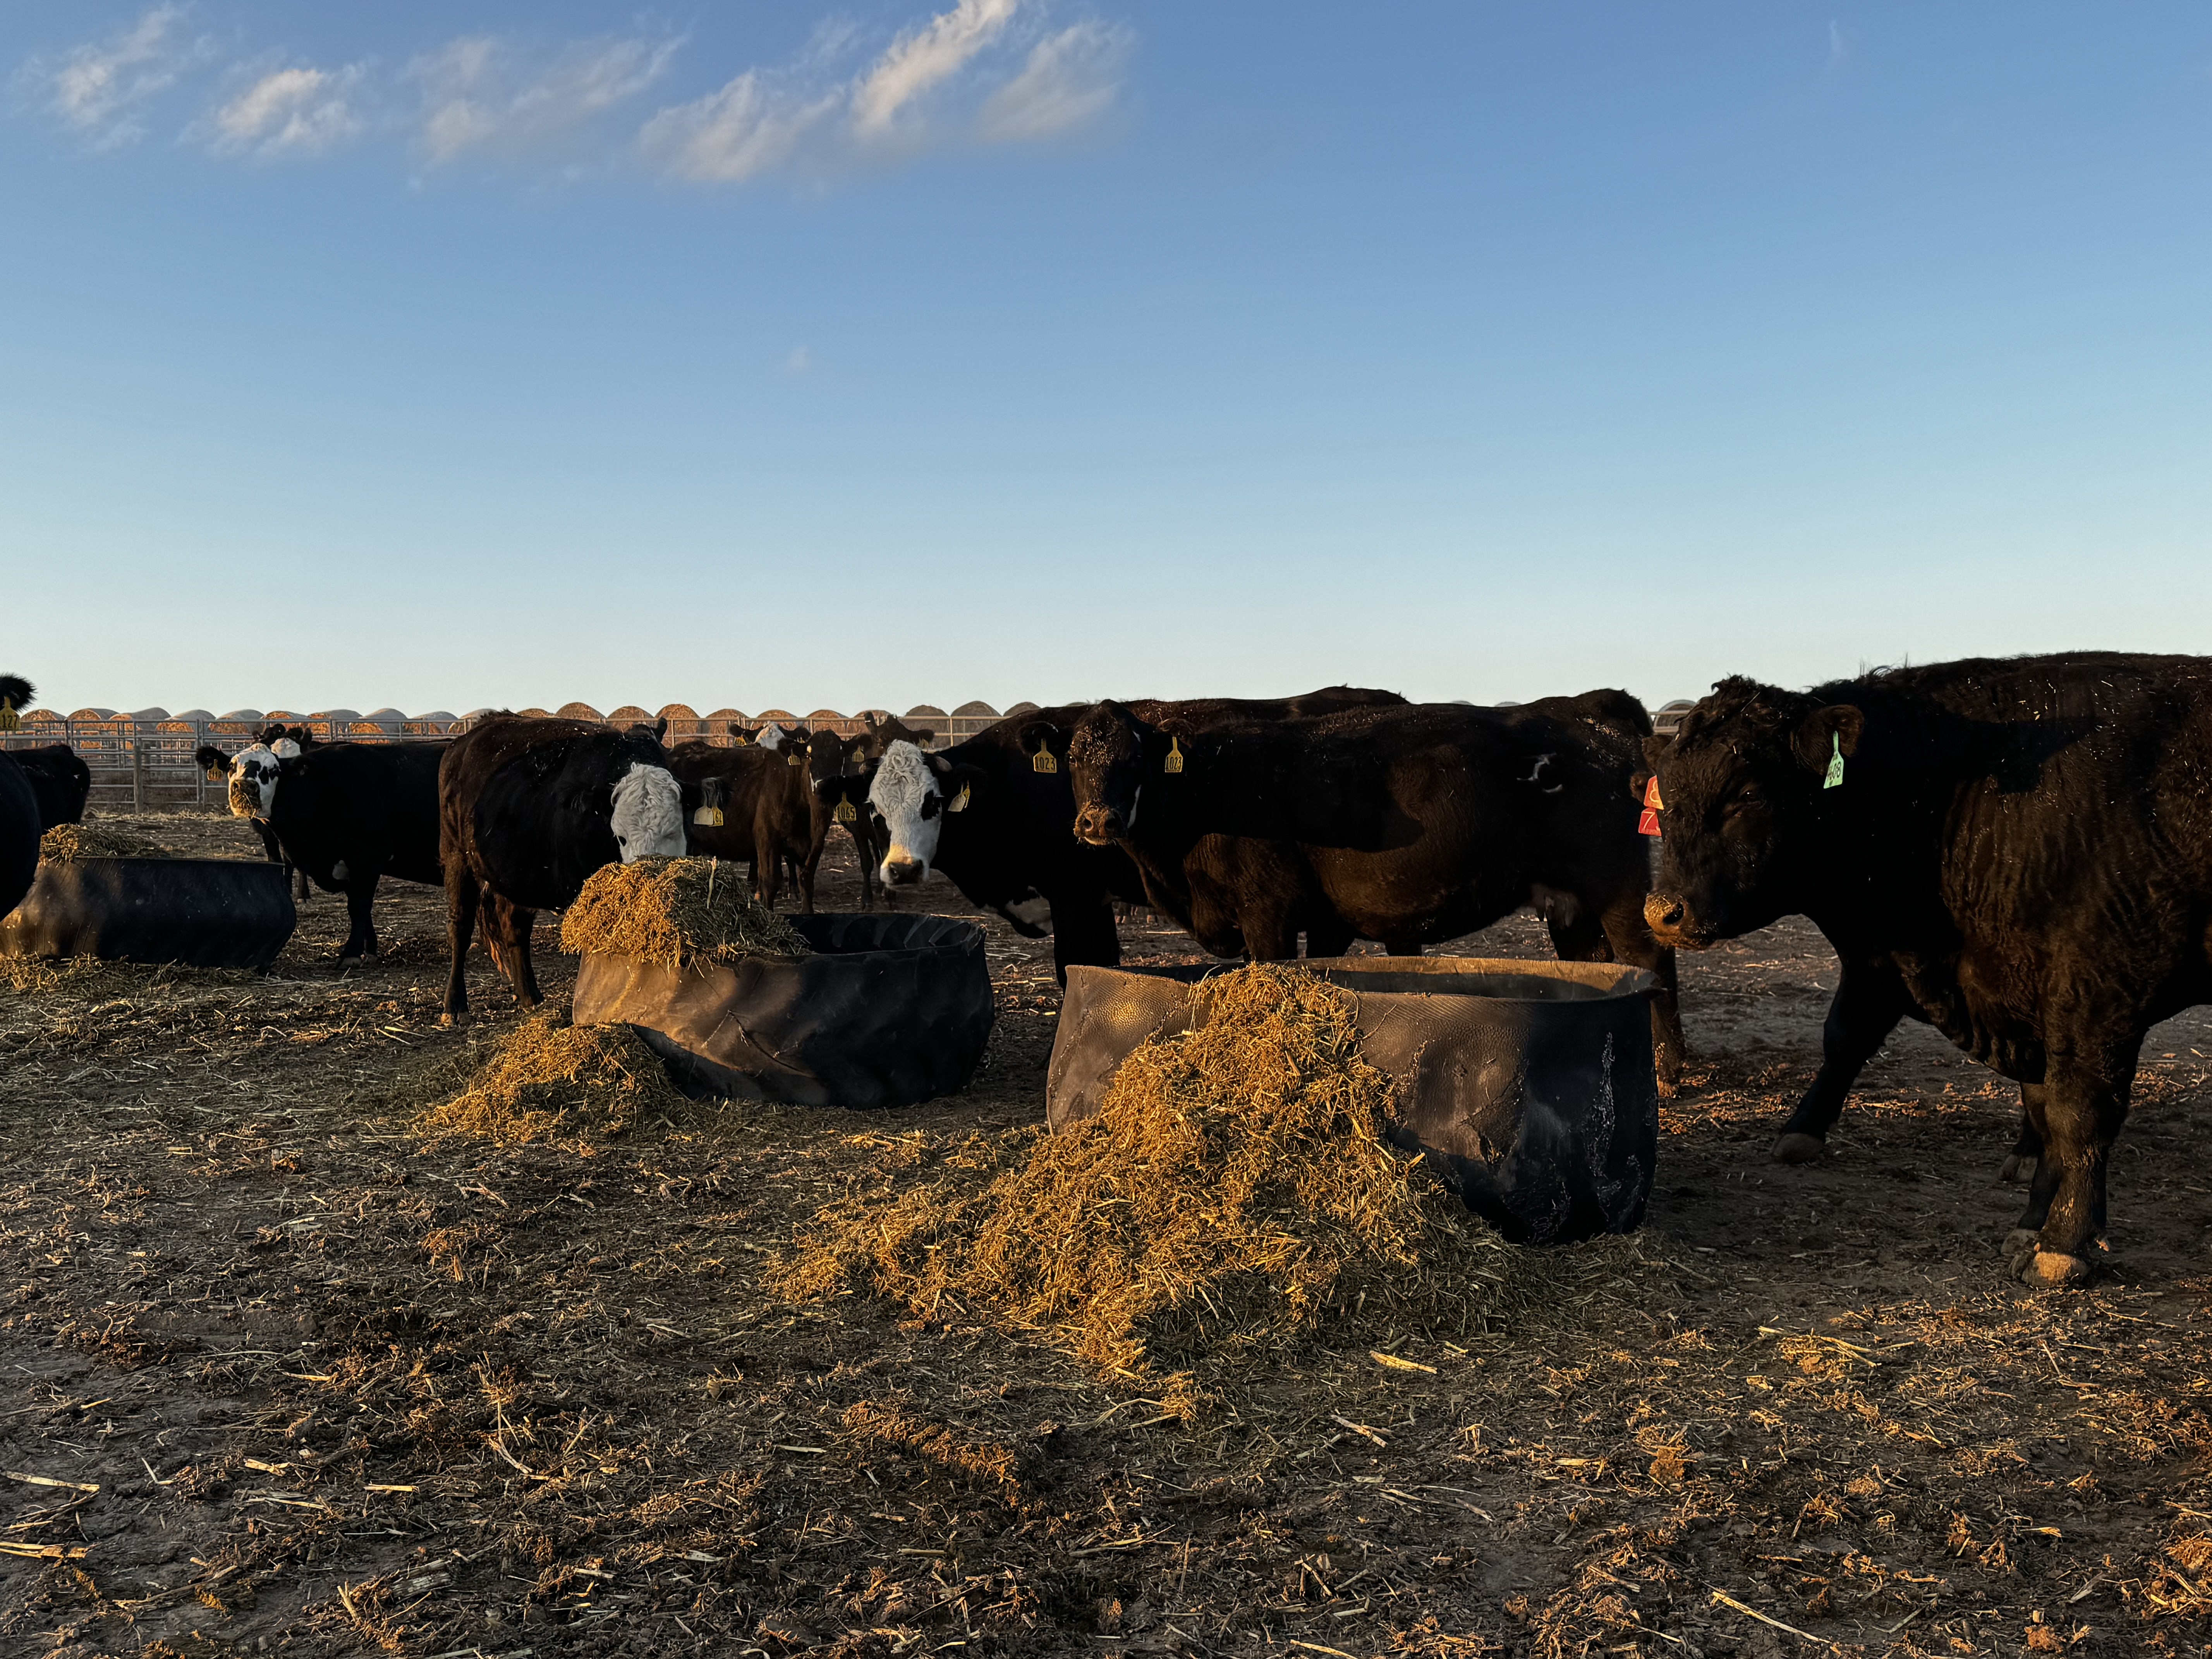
(275, 743)
(20, 830)
(1409, 825)
(2018, 852)
(768, 812)
(59, 779)
(527, 808)
(345, 815)
(998, 821)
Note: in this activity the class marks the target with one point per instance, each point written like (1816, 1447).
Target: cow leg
(1625, 936)
(510, 924)
(300, 876)
(2085, 1103)
(1082, 932)
(1402, 947)
(462, 898)
(361, 918)
(1871, 999)
(2027, 1147)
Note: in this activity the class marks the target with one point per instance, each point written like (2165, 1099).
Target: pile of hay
(67, 842)
(680, 913)
(1232, 1198)
(548, 1077)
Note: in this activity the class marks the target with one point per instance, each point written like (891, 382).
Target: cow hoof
(2016, 1167)
(2052, 1269)
(1795, 1148)
(451, 1021)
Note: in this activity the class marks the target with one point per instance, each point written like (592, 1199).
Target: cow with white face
(527, 808)
(912, 794)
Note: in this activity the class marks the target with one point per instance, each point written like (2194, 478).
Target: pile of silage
(65, 843)
(548, 1077)
(679, 913)
(1232, 1198)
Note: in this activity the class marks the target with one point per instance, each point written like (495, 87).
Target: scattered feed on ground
(343, 1386)
(679, 913)
(545, 1076)
(1232, 1199)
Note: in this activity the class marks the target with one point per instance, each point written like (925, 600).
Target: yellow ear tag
(1174, 762)
(791, 759)
(1044, 760)
(741, 739)
(709, 816)
(845, 813)
(959, 801)
(8, 721)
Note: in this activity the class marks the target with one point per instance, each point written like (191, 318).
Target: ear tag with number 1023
(1044, 760)
(1174, 760)
(1835, 764)
(959, 802)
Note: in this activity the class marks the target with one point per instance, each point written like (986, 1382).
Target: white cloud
(807, 118)
(799, 362)
(1069, 80)
(300, 111)
(483, 94)
(923, 59)
(750, 127)
(99, 88)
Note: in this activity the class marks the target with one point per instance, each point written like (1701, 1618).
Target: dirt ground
(281, 1372)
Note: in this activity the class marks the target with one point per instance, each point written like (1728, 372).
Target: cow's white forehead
(254, 761)
(647, 819)
(902, 779)
(285, 749)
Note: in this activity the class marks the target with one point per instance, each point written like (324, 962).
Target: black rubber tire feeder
(1529, 1084)
(200, 913)
(889, 1010)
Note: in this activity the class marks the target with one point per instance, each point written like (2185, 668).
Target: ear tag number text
(1174, 760)
(709, 816)
(1835, 777)
(1044, 760)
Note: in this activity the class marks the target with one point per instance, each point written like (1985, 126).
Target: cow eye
(1750, 795)
(930, 803)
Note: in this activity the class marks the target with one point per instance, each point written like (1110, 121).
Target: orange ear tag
(1044, 760)
(1174, 760)
(1649, 823)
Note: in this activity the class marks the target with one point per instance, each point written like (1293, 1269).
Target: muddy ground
(281, 1372)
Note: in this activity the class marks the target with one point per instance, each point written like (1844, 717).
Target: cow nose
(1665, 911)
(903, 872)
(1098, 823)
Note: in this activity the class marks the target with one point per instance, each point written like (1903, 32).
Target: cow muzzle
(1668, 916)
(903, 872)
(1099, 825)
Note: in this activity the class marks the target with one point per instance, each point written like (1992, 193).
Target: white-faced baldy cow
(1409, 825)
(344, 816)
(2018, 852)
(997, 818)
(527, 808)
(277, 742)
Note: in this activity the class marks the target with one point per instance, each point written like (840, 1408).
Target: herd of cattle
(2017, 851)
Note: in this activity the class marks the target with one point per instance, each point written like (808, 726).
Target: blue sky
(447, 355)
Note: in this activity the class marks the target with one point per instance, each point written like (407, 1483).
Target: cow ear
(212, 761)
(1655, 750)
(1826, 732)
(1037, 734)
(962, 785)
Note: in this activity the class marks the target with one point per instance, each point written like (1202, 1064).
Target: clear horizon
(1015, 350)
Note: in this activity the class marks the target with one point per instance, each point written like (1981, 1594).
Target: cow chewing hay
(1232, 1199)
(547, 1077)
(65, 843)
(679, 913)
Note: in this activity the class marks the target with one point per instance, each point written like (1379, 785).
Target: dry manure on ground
(65, 843)
(548, 1077)
(1232, 1199)
(679, 913)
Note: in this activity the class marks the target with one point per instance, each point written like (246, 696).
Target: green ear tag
(1835, 765)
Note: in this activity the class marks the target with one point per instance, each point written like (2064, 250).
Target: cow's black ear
(1825, 732)
(962, 785)
(1655, 750)
(212, 761)
(1041, 734)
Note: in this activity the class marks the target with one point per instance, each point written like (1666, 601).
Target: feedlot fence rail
(144, 765)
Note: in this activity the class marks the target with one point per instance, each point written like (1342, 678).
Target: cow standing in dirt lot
(345, 815)
(770, 814)
(276, 743)
(2018, 852)
(1409, 825)
(997, 818)
(527, 808)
